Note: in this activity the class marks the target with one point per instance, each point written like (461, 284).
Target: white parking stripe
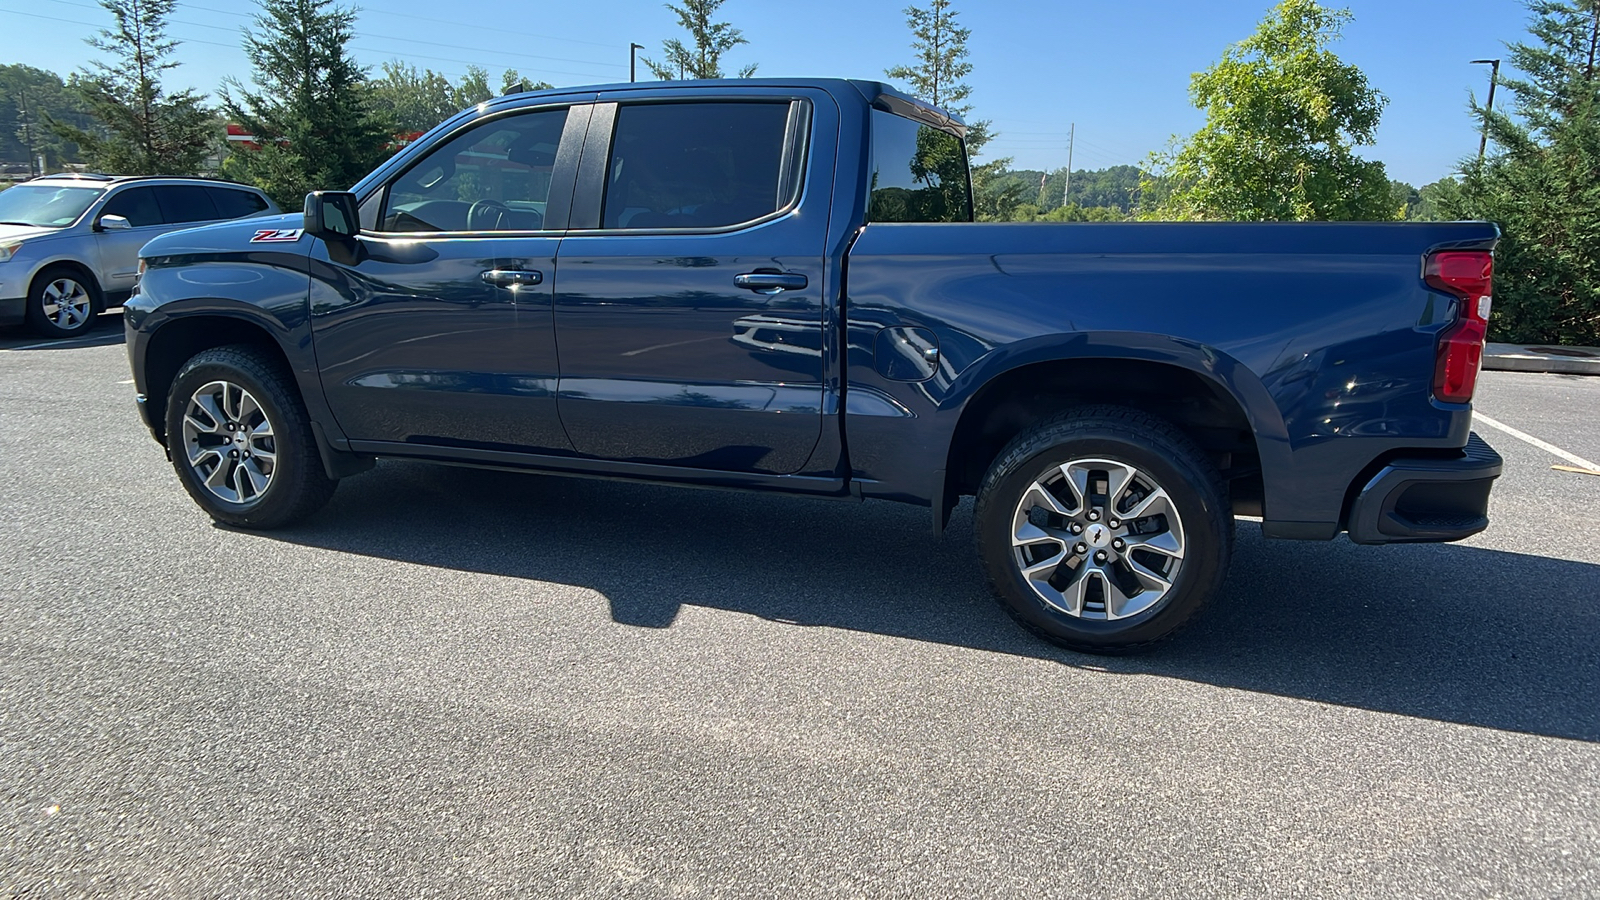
(106, 339)
(1546, 446)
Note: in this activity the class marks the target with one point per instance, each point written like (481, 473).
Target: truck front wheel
(1104, 529)
(241, 442)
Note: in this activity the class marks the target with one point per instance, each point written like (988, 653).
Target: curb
(1557, 360)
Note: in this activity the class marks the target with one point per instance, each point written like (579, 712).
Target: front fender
(184, 306)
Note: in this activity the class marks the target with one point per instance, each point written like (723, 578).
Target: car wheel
(62, 303)
(1104, 529)
(241, 441)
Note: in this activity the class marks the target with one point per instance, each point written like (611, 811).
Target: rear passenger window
(137, 205)
(698, 165)
(185, 203)
(918, 174)
(233, 204)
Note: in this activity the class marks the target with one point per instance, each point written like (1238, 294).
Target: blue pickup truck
(777, 285)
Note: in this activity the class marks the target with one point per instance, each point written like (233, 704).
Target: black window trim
(561, 175)
(589, 202)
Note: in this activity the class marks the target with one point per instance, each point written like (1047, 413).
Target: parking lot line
(106, 340)
(1546, 446)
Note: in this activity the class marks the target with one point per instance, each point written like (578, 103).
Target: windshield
(46, 206)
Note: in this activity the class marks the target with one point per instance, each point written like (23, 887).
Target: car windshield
(44, 205)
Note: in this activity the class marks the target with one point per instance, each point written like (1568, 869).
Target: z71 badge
(277, 235)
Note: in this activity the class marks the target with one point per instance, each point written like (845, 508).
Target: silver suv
(69, 244)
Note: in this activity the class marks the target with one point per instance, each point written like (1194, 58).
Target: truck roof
(875, 93)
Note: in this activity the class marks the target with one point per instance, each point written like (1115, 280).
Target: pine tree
(1283, 114)
(711, 41)
(1542, 183)
(311, 110)
(142, 129)
(938, 77)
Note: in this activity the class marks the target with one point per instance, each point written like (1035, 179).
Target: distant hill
(1116, 187)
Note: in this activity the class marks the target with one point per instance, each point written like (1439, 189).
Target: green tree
(512, 82)
(1283, 114)
(1435, 201)
(938, 76)
(314, 118)
(413, 99)
(710, 41)
(1542, 183)
(1116, 188)
(30, 99)
(141, 129)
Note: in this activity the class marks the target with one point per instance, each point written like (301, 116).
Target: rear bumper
(1431, 500)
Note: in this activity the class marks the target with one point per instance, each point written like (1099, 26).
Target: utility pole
(633, 60)
(1488, 110)
(27, 132)
(1072, 141)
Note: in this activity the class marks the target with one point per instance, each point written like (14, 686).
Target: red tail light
(1468, 276)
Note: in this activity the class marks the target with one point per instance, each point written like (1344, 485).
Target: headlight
(8, 250)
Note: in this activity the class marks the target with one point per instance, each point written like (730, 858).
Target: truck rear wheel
(241, 441)
(1104, 530)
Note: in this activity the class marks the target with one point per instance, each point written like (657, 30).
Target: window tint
(918, 174)
(185, 203)
(494, 177)
(696, 165)
(137, 205)
(234, 204)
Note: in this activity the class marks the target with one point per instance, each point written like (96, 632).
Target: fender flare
(1222, 371)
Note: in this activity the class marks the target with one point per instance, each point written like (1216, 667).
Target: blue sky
(1118, 68)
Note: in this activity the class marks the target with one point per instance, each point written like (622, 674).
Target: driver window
(491, 177)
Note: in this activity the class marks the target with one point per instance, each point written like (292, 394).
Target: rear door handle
(770, 282)
(513, 277)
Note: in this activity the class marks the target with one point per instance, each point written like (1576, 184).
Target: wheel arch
(177, 340)
(1204, 392)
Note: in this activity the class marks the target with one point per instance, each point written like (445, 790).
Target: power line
(496, 31)
(18, 12)
(391, 52)
(387, 37)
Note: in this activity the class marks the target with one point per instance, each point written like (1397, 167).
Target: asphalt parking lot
(457, 683)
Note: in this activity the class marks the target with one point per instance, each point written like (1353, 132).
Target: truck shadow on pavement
(1451, 633)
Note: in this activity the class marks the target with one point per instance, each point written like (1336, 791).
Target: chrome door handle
(770, 282)
(513, 277)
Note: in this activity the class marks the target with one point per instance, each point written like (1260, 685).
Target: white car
(69, 244)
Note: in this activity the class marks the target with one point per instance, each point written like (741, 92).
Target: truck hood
(280, 232)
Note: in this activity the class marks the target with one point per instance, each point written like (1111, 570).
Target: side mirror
(332, 214)
(112, 223)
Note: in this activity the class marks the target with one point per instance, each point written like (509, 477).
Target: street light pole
(1488, 110)
(633, 55)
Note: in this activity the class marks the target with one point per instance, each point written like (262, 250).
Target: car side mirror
(332, 214)
(113, 223)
